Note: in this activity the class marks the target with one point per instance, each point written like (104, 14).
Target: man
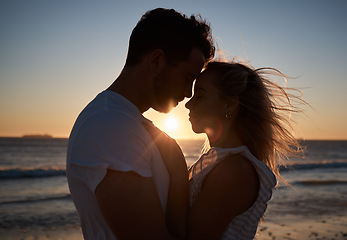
(127, 179)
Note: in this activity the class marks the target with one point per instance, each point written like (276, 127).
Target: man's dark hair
(171, 31)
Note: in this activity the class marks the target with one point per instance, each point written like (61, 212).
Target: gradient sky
(55, 56)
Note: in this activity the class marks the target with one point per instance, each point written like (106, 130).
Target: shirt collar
(127, 106)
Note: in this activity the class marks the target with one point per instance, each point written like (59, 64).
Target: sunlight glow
(171, 124)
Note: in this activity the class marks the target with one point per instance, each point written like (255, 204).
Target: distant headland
(37, 136)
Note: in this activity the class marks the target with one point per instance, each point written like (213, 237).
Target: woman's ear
(156, 60)
(232, 104)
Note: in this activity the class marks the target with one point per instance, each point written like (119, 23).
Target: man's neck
(131, 85)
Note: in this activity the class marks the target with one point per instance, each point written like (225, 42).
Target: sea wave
(38, 199)
(31, 173)
(17, 173)
(320, 182)
(314, 166)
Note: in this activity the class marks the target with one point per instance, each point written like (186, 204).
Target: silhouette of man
(127, 179)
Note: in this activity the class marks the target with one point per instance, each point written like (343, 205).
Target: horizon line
(49, 136)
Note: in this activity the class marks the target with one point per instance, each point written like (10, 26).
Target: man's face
(174, 83)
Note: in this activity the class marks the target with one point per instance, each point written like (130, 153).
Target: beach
(305, 219)
(327, 223)
(35, 201)
(280, 227)
(292, 227)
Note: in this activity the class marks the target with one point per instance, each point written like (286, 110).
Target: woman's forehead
(205, 81)
(204, 77)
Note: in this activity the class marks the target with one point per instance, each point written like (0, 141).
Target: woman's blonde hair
(263, 119)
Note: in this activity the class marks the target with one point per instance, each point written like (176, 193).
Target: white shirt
(109, 134)
(243, 226)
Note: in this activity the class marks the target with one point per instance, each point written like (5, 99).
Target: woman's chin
(197, 130)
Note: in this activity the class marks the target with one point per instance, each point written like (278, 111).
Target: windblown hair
(171, 31)
(263, 120)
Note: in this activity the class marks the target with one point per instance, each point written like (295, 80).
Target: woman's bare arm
(228, 190)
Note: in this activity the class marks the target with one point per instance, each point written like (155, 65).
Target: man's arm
(178, 206)
(131, 206)
(178, 200)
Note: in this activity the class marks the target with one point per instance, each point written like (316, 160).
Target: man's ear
(156, 60)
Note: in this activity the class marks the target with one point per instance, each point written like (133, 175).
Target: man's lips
(176, 101)
(180, 99)
(191, 116)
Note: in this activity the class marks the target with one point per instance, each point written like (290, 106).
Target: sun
(171, 124)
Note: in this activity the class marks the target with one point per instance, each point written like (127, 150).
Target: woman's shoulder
(234, 169)
(236, 164)
(237, 179)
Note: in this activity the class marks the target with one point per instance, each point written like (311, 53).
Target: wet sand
(43, 233)
(292, 227)
(290, 215)
(275, 227)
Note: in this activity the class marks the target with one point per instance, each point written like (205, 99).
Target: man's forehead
(198, 57)
(194, 64)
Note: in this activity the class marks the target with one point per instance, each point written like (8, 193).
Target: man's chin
(165, 108)
(162, 109)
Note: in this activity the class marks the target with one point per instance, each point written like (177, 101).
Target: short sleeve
(109, 141)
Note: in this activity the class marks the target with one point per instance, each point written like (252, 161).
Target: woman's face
(207, 108)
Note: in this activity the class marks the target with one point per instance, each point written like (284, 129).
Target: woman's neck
(230, 140)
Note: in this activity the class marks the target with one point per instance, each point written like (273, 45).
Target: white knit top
(243, 226)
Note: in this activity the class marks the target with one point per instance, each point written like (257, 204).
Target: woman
(230, 185)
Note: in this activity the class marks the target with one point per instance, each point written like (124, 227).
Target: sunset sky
(56, 56)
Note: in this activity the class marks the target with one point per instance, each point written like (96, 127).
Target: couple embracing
(129, 180)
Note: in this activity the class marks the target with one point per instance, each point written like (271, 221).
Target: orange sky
(56, 56)
(58, 122)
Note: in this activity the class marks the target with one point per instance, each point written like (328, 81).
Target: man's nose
(188, 105)
(188, 90)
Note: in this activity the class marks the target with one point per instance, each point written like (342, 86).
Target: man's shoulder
(102, 121)
(100, 111)
(109, 123)
(111, 107)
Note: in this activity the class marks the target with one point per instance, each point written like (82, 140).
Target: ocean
(34, 191)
